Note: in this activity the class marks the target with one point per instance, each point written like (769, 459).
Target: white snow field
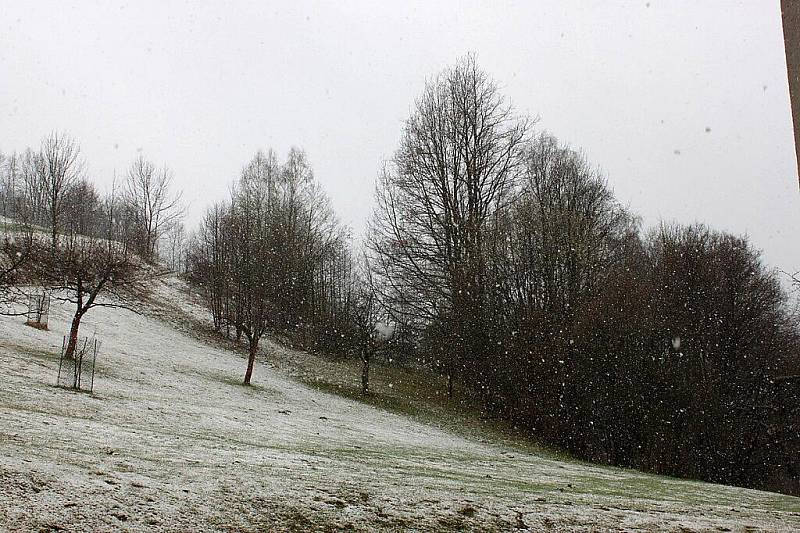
(170, 441)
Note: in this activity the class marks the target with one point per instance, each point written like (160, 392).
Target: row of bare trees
(523, 278)
(274, 259)
(61, 235)
(49, 188)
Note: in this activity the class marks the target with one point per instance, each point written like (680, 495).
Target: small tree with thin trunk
(250, 309)
(365, 317)
(370, 332)
(236, 258)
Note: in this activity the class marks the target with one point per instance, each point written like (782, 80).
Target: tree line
(502, 259)
(274, 259)
(64, 237)
(523, 278)
(49, 187)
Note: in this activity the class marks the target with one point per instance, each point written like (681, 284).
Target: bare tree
(7, 184)
(31, 197)
(96, 270)
(58, 168)
(207, 262)
(236, 256)
(84, 209)
(458, 159)
(250, 253)
(364, 318)
(153, 207)
(17, 245)
(176, 246)
(273, 258)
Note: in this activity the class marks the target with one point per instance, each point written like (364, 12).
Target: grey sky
(684, 105)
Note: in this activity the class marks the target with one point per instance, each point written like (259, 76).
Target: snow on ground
(170, 441)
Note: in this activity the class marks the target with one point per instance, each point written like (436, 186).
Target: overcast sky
(683, 105)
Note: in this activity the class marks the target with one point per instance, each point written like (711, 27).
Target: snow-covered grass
(170, 441)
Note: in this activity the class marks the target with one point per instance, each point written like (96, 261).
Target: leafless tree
(7, 183)
(94, 270)
(364, 316)
(176, 247)
(459, 157)
(236, 259)
(560, 236)
(252, 259)
(30, 192)
(58, 167)
(152, 204)
(84, 209)
(207, 262)
(272, 259)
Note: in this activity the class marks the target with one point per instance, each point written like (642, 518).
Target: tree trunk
(364, 371)
(53, 237)
(251, 359)
(73, 336)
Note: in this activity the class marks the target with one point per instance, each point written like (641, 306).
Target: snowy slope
(171, 441)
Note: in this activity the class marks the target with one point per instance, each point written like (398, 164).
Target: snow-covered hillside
(170, 441)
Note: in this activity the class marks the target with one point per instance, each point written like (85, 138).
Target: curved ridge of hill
(170, 441)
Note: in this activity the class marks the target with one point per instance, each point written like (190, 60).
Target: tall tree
(459, 156)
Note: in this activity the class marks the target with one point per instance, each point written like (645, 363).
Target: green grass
(421, 395)
(416, 393)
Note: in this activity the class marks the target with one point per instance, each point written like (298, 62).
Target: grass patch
(36, 353)
(237, 381)
(389, 403)
(416, 393)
